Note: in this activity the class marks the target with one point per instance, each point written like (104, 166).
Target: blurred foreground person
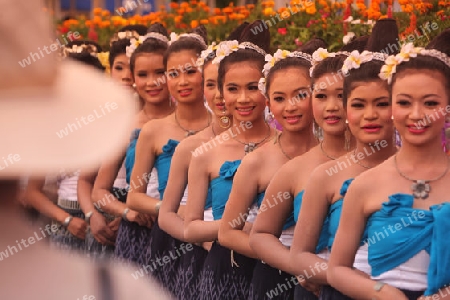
(38, 100)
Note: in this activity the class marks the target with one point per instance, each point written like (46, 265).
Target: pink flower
(298, 42)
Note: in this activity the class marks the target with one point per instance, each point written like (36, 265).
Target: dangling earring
(348, 137)
(134, 85)
(269, 115)
(225, 121)
(317, 131)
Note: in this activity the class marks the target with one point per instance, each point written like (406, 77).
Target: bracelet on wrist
(87, 217)
(67, 221)
(124, 214)
(157, 207)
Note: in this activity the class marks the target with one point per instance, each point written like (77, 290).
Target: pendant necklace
(421, 188)
(249, 147)
(359, 162)
(281, 148)
(192, 132)
(324, 153)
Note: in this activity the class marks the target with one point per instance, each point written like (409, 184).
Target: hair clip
(356, 59)
(407, 52)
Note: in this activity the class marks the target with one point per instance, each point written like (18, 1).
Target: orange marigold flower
(311, 10)
(204, 21)
(105, 24)
(206, 8)
(250, 6)
(88, 23)
(184, 4)
(217, 11)
(173, 5)
(105, 13)
(193, 2)
(180, 11)
(97, 11)
(227, 10)
(178, 19)
(189, 9)
(194, 23)
(268, 11)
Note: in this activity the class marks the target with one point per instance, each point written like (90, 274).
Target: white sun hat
(53, 115)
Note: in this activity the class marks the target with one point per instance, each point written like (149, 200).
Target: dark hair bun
(140, 29)
(441, 42)
(384, 37)
(359, 44)
(236, 34)
(158, 28)
(312, 45)
(257, 33)
(201, 31)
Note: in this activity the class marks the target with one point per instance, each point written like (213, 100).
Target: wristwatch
(124, 214)
(67, 221)
(157, 207)
(377, 287)
(87, 217)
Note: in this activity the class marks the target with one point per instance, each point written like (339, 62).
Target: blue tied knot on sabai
(221, 187)
(415, 230)
(162, 165)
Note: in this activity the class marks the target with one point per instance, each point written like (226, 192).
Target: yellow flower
(268, 11)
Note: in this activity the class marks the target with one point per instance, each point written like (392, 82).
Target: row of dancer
(260, 208)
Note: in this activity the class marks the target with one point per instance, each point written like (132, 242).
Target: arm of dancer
(313, 212)
(242, 196)
(171, 213)
(137, 198)
(265, 234)
(196, 230)
(97, 222)
(341, 274)
(37, 199)
(101, 192)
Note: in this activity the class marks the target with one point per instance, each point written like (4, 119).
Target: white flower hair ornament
(91, 49)
(175, 37)
(280, 55)
(208, 53)
(124, 35)
(356, 59)
(407, 52)
(321, 54)
(225, 48)
(136, 42)
(348, 37)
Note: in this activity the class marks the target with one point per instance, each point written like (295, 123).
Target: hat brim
(82, 120)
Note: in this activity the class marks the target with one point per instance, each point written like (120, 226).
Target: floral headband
(208, 53)
(175, 37)
(123, 35)
(272, 60)
(409, 51)
(225, 48)
(321, 54)
(356, 59)
(136, 42)
(280, 55)
(91, 49)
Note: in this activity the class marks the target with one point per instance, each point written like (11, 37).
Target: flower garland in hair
(356, 59)
(208, 53)
(321, 54)
(136, 42)
(407, 52)
(175, 37)
(91, 49)
(272, 60)
(124, 35)
(225, 48)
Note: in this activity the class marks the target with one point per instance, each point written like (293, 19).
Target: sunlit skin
(410, 109)
(327, 104)
(414, 95)
(255, 172)
(148, 75)
(120, 70)
(240, 91)
(369, 112)
(184, 79)
(289, 104)
(369, 119)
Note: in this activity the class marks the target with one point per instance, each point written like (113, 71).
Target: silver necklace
(421, 188)
(192, 132)
(281, 148)
(249, 147)
(359, 162)
(326, 154)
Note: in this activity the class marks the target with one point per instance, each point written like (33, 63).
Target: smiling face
(327, 104)
(120, 70)
(149, 78)
(369, 112)
(290, 100)
(184, 79)
(419, 103)
(211, 90)
(240, 91)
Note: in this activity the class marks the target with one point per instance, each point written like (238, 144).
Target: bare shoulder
(153, 127)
